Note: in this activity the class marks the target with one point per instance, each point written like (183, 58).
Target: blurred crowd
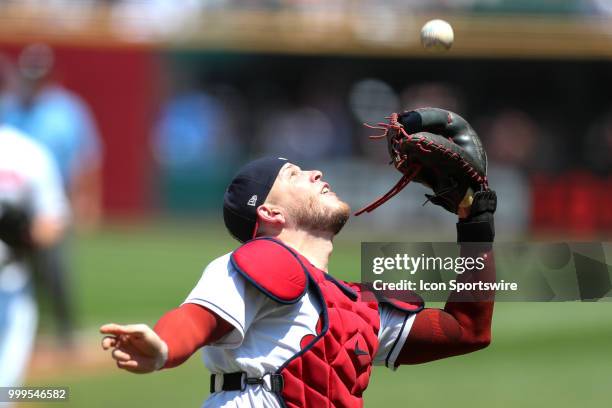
(138, 20)
(190, 6)
(314, 114)
(314, 110)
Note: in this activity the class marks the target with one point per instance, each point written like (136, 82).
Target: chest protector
(333, 367)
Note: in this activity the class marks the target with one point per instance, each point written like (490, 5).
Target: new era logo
(253, 201)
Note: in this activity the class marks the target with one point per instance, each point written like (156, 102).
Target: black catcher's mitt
(437, 148)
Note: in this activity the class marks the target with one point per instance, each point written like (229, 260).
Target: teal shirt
(62, 122)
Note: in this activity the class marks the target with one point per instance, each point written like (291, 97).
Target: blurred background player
(63, 123)
(33, 215)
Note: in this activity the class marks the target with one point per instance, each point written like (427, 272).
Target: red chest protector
(333, 368)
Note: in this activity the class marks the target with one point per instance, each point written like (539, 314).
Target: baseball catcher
(277, 330)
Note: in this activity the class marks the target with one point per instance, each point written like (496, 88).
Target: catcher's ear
(270, 214)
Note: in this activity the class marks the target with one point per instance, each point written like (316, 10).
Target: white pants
(18, 321)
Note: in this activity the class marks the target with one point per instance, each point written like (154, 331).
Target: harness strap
(238, 381)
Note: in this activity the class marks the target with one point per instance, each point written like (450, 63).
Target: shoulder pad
(273, 268)
(406, 301)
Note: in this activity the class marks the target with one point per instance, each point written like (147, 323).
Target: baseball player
(33, 214)
(63, 123)
(277, 330)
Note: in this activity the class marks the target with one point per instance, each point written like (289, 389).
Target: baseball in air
(437, 35)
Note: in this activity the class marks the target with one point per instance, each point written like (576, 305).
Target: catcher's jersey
(266, 333)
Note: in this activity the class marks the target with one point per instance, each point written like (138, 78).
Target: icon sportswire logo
(252, 201)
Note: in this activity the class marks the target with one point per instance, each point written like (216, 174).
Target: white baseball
(437, 35)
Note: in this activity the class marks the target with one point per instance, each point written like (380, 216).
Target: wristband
(479, 226)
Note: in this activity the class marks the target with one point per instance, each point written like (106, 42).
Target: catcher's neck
(316, 247)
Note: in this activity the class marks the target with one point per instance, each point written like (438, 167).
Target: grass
(555, 354)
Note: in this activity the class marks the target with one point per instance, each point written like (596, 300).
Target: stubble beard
(316, 217)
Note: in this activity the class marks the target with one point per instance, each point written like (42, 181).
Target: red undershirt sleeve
(463, 326)
(188, 328)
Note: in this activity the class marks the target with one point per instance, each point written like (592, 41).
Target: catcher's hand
(136, 347)
(439, 149)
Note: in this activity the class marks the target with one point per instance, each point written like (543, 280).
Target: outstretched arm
(177, 335)
(464, 325)
(221, 296)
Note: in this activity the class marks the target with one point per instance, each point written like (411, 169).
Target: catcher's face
(305, 201)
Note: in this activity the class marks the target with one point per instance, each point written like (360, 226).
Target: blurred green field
(557, 354)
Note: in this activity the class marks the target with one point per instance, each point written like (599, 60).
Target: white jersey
(29, 180)
(266, 333)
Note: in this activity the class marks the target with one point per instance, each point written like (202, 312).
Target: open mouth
(325, 189)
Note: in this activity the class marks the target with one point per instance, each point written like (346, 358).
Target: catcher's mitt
(437, 148)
